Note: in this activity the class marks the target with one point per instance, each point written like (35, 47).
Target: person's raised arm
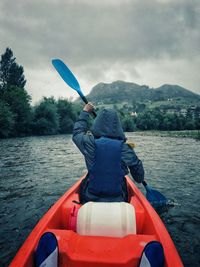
(81, 126)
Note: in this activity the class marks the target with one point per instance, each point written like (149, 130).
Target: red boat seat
(89, 251)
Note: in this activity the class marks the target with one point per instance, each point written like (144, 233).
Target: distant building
(183, 112)
(172, 110)
(191, 111)
(134, 114)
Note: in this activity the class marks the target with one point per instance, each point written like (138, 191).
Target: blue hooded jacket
(108, 125)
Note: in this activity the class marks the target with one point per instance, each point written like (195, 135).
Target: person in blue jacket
(107, 155)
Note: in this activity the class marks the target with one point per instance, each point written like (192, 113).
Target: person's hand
(89, 107)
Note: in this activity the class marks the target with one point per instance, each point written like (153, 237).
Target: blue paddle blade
(155, 197)
(66, 75)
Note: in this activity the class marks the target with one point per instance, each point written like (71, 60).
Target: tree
(11, 74)
(18, 101)
(128, 124)
(46, 119)
(180, 122)
(168, 122)
(6, 120)
(140, 107)
(67, 116)
(190, 121)
(156, 119)
(148, 120)
(197, 117)
(143, 121)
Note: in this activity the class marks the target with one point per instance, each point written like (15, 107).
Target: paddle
(154, 197)
(69, 78)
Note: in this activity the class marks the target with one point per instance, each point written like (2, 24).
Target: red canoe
(88, 251)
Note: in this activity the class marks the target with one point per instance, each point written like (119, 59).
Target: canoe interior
(84, 251)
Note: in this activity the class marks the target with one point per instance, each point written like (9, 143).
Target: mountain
(126, 92)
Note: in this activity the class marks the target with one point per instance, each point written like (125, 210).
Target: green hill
(120, 92)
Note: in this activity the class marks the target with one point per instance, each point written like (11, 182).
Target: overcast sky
(150, 42)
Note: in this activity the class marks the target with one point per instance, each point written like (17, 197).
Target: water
(36, 171)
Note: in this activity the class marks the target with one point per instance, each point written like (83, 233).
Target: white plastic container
(116, 219)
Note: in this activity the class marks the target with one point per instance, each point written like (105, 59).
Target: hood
(107, 124)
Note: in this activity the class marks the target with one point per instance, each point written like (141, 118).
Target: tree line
(157, 119)
(19, 118)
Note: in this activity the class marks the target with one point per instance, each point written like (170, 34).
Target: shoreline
(194, 134)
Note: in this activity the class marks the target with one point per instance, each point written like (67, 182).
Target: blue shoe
(46, 253)
(152, 255)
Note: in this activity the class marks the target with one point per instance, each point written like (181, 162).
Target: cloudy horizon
(146, 42)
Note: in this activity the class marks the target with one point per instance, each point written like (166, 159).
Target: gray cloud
(102, 38)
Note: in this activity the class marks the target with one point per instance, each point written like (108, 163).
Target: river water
(36, 171)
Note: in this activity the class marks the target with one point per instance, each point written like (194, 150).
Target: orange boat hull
(87, 251)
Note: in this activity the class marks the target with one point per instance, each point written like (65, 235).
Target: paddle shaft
(144, 183)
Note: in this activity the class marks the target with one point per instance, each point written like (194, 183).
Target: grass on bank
(184, 134)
